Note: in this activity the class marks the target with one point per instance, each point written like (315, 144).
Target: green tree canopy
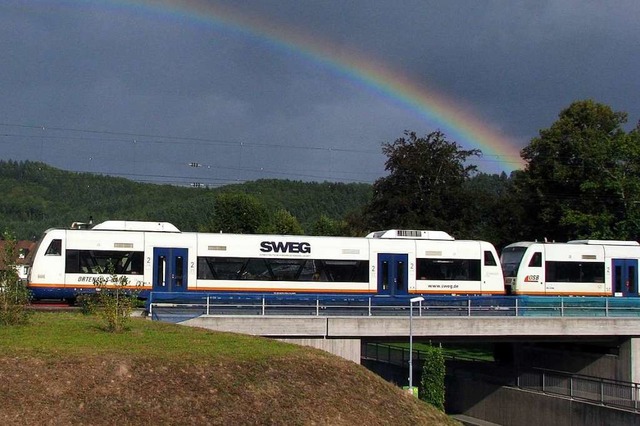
(239, 213)
(493, 211)
(581, 180)
(326, 226)
(284, 223)
(424, 188)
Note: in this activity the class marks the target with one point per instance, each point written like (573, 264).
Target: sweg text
(288, 247)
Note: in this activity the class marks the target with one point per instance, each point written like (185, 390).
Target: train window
(286, 269)
(72, 264)
(232, 268)
(179, 271)
(385, 275)
(536, 259)
(100, 262)
(55, 248)
(346, 270)
(400, 269)
(576, 272)
(510, 259)
(632, 279)
(313, 270)
(618, 279)
(162, 271)
(489, 259)
(449, 269)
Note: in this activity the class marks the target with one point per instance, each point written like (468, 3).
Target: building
(24, 251)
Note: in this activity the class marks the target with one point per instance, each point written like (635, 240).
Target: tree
(284, 223)
(432, 388)
(424, 188)
(493, 212)
(238, 213)
(581, 178)
(327, 227)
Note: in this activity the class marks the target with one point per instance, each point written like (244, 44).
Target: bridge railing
(433, 306)
(596, 390)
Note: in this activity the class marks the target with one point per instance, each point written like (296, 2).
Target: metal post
(263, 306)
(411, 302)
(516, 307)
(571, 387)
(562, 306)
(411, 348)
(151, 305)
(469, 307)
(318, 307)
(370, 307)
(208, 297)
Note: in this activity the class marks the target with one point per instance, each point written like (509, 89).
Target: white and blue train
(575, 268)
(156, 256)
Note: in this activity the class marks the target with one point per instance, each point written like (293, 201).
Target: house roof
(24, 252)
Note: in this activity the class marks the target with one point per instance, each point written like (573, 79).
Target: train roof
(578, 242)
(605, 242)
(132, 225)
(411, 234)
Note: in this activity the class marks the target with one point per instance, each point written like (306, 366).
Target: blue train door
(625, 277)
(170, 269)
(392, 274)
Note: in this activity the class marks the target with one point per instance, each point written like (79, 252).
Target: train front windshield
(510, 260)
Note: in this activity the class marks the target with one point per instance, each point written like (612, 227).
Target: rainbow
(457, 122)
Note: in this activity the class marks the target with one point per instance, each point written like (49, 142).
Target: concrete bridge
(342, 335)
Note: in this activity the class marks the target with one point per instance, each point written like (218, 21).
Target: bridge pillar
(346, 348)
(630, 352)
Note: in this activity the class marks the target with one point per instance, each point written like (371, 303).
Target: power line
(171, 139)
(51, 133)
(209, 141)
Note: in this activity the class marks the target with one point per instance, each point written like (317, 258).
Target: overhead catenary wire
(51, 134)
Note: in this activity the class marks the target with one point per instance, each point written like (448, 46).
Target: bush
(14, 295)
(114, 301)
(88, 303)
(432, 381)
(14, 298)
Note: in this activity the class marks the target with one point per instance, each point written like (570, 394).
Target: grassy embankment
(63, 368)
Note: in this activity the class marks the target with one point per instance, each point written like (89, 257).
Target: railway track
(53, 306)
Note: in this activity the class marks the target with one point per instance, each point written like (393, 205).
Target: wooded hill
(36, 197)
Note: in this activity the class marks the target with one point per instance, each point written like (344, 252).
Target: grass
(62, 368)
(70, 334)
(474, 351)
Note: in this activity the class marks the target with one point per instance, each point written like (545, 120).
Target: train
(158, 257)
(574, 268)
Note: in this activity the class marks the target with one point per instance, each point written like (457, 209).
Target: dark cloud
(141, 92)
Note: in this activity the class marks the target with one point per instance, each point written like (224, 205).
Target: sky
(209, 93)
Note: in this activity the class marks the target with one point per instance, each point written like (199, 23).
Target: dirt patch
(309, 389)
